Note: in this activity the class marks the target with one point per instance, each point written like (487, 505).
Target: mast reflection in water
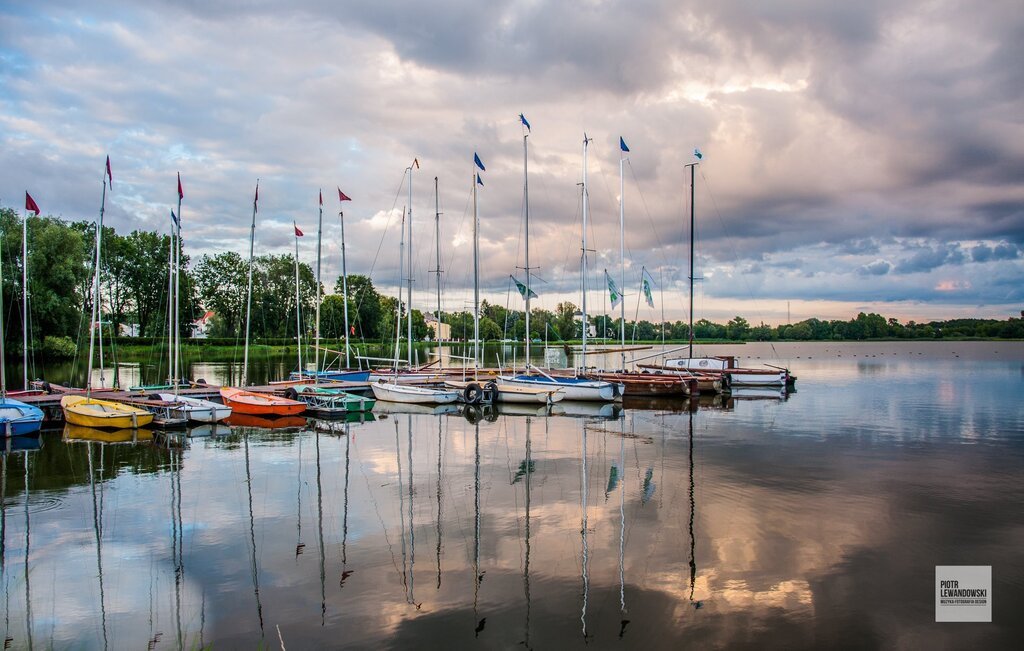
(658, 524)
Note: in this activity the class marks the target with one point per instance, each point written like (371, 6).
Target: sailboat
(250, 402)
(723, 365)
(16, 417)
(86, 410)
(325, 401)
(390, 389)
(632, 382)
(574, 388)
(189, 408)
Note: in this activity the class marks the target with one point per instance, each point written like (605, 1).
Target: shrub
(59, 348)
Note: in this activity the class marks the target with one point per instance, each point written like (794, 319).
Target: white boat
(507, 392)
(572, 388)
(726, 366)
(411, 394)
(195, 409)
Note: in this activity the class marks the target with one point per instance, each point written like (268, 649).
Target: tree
(369, 309)
(56, 276)
(565, 322)
(222, 284)
(737, 328)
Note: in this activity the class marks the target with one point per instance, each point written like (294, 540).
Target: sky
(857, 157)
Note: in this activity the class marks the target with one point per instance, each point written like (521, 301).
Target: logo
(963, 593)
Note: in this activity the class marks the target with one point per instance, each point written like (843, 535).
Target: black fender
(473, 394)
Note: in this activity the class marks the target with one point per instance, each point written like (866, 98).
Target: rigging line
(384, 233)
(647, 211)
(735, 253)
(451, 256)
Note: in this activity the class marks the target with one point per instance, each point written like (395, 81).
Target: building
(201, 326)
(445, 333)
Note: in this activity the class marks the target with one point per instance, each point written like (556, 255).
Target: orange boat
(265, 422)
(260, 404)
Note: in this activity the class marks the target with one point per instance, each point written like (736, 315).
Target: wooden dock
(49, 403)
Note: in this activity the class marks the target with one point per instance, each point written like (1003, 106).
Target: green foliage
(59, 348)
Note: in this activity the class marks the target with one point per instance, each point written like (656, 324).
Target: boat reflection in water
(508, 527)
(265, 422)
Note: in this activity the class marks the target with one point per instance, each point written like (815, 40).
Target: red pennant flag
(321, 197)
(30, 204)
(181, 193)
(110, 175)
(342, 196)
(298, 233)
(352, 329)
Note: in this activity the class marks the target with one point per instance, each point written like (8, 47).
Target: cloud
(876, 268)
(927, 257)
(831, 132)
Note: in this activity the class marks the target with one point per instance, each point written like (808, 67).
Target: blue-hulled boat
(18, 418)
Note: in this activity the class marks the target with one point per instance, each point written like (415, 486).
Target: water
(814, 521)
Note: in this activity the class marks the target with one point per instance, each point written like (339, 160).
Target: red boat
(260, 404)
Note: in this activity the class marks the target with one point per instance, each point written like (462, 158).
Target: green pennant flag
(613, 290)
(522, 289)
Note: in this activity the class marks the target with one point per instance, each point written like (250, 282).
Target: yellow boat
(93, 435)
(91, 412)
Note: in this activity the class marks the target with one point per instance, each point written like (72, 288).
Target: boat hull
(196, 409)
(647, 384)
(18, 418)
(91, 412)
(573, 388)
(333, 401)
(347, 375)
(259, 404)
(412, 395)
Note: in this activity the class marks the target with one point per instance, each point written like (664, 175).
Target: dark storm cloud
(876, 268)
(926, 258)
(837, 136)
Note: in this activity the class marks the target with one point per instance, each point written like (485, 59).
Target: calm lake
(810, 521)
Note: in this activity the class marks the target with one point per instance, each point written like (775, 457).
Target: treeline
(134, 291)
(564, 324)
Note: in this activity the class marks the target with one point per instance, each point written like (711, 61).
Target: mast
(437, 270)
(176, 243)
(585, 208)
(298, 302)
(24, 286)
(622, 249)
(170, 306)
(248, 301)
(344, 282)
(526, 203)
(692, 167)
(398, 309)
(316, 332)
(408, 307)
(476, 276)
(3, 374)
(96, 288)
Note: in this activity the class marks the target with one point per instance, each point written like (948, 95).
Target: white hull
(586, 391)
(412, 395)
(516, 393)
(740, 377)
(196, 409)
(766, 379)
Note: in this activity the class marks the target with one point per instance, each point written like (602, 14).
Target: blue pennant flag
(174, 218)
(479, 181)
(622, 144)
(479, 163)
(697, 154)
(523, 120)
